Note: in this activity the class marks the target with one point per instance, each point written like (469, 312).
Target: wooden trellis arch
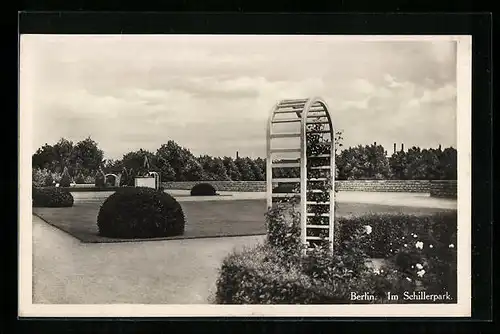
(315, 158)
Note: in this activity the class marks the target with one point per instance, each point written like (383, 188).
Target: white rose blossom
(451, 246)
(419, 244)
(421, 273)
(419, 266)
(368, 229)
(430, 246)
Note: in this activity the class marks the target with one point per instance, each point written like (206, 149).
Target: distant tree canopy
(363, 162)
(84, 157)
(177, 163)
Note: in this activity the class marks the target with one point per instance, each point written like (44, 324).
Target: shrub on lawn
(203, 189)
(51, 197)
(140, 212)
(65, 178)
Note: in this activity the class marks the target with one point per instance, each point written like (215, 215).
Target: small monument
(146, 178)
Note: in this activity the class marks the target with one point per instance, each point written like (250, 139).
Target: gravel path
(66, 271)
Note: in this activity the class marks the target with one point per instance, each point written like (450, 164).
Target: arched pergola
(117, 180)
(314, 156)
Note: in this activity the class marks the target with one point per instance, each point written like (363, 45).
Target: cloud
(213, 94)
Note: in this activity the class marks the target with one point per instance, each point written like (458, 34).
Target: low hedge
(203, 189)
(389, 232)
(139, 212)
(52, 197)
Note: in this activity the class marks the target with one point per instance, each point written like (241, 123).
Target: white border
(462, 308)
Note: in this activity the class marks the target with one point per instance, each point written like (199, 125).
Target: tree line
(176, 163)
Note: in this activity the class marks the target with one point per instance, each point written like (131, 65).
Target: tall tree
(231, 169)
(181, 160)
(86, 155)
(167, 173)
(448, 164)
(260, 164)
(63, 151)
(193, 171)
(135, 160)
(413, 164)
(244, 169)
(397, 163)
(43, 157)
(256, 170)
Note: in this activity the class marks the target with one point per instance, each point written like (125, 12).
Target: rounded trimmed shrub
(140, 212)
(203, 189)
(52, 198)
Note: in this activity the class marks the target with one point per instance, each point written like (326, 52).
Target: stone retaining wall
(412, 186)
(439, 188)
(244, 186)
(443, 188)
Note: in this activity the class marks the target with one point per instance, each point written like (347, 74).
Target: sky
(213, 94)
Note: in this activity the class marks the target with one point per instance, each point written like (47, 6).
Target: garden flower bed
(418, 252)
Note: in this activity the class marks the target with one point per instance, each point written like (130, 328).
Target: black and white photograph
(245, 175)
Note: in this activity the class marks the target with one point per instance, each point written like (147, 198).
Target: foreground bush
(52, 197)
(278, 272)
(203, 189)
(261, 276)
(140, 213)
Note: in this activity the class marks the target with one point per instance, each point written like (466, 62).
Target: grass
(204, 219)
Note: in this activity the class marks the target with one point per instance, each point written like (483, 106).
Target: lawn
(204, 219)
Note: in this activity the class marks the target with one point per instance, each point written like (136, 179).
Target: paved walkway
(66, 271)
